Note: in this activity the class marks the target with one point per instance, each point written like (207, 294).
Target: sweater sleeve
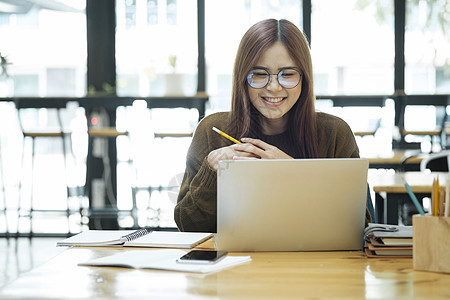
(196, 208)
(347, 147)
(336, 139)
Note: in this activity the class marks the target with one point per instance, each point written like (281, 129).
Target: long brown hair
(302, 117)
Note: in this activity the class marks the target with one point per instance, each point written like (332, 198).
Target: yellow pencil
(226, 135)
(436, 198)
(433, 196)
(441, 201)
(447, 199)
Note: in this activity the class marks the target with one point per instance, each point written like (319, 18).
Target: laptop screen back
(291, 205)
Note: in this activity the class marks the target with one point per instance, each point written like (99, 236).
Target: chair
(4, 209)
(369, 132)
(437, 162)
(97, 213)
(436, 135)
(411, 160)
(143, 179)
(370, 206)
(33, 134)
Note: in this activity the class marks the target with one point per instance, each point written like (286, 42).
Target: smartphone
(202, 257)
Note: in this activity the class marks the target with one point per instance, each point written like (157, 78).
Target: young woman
(272, 114)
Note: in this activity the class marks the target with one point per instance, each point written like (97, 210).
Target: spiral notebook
(136, 238)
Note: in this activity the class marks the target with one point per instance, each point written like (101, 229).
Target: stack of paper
(164, 259)
(388, 240)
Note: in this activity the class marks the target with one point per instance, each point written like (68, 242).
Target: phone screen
(205, 257)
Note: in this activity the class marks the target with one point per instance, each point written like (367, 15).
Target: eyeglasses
(288, 78)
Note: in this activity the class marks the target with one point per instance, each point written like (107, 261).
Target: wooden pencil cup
(431, 243)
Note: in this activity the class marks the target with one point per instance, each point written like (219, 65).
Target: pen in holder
(431, 243)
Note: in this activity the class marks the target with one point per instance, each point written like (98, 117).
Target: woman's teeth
(274, 100)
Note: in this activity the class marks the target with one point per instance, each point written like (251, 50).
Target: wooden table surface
(394, 157)
(420, 182)
(393, 186)
(270, 275)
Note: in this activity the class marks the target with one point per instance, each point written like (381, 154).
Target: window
(427, 47)
(44, 59)
(156, 47)
(130, 14)
(152, 12)
(352, 45)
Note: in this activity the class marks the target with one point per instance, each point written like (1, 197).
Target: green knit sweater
(196, 209)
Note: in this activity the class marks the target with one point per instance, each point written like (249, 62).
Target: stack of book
(388, 240)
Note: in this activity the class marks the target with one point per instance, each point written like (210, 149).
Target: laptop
(291, 205)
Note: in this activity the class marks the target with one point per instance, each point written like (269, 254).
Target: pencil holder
(431, 243)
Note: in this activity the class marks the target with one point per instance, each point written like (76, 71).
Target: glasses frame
(269, 77)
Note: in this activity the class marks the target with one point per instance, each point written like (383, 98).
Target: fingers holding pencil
(225, 153)
(226, 135)
(254, 148)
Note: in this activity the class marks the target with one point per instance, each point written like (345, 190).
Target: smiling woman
(275, 119)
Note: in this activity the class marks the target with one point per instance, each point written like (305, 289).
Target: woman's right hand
(226, 153)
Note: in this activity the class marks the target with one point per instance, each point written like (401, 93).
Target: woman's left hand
(259, 149)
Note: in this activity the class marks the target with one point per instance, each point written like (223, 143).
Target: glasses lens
(289, 78)
(258, 78)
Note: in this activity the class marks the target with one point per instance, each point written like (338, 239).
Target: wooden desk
(276, 275)
(393, 186)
